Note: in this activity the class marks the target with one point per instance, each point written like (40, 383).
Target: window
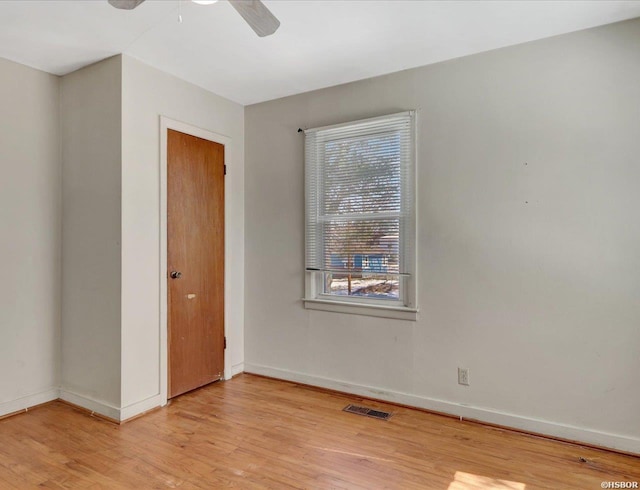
(360, 217)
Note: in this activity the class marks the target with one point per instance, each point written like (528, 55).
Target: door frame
(166, 124)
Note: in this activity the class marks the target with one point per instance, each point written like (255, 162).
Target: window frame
(404, 307)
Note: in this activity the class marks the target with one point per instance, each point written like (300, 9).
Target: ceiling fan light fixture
(254, 12)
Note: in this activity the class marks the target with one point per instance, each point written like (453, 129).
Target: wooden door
(195, 261)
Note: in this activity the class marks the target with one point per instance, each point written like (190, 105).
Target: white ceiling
(320, 43)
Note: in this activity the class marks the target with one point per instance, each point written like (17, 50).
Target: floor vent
(369, 412)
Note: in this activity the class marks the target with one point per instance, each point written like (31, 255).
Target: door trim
(166, 124)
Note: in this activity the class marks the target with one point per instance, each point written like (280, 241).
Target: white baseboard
(108, 410)
(237, 369)
(90, 404)
(543, 427)
(140, 407)
(28, 401)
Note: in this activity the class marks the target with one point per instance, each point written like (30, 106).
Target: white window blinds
(360, 201)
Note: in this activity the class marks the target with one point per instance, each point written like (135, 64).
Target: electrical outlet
(463, 376)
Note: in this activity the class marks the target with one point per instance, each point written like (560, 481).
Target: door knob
(175, 275)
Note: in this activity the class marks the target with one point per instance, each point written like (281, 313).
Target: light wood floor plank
(258, 433)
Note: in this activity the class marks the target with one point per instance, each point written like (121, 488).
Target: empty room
(320, 244)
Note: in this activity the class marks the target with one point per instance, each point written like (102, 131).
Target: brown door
(195, 261)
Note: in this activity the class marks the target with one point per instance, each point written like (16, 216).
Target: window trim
(402, 309)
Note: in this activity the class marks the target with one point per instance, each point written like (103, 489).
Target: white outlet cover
(463, 376)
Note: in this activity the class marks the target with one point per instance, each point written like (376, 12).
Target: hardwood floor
(253, 432)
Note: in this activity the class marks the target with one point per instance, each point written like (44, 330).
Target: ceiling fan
(254, 12)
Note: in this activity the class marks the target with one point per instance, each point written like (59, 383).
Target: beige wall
(91, 153)
(111, 303)
(30, 227)
(148, 94)
(528, 270)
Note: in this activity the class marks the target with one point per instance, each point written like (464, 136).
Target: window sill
(395, 312)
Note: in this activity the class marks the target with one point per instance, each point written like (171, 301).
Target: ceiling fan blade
(257, 15)
(125, 4)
